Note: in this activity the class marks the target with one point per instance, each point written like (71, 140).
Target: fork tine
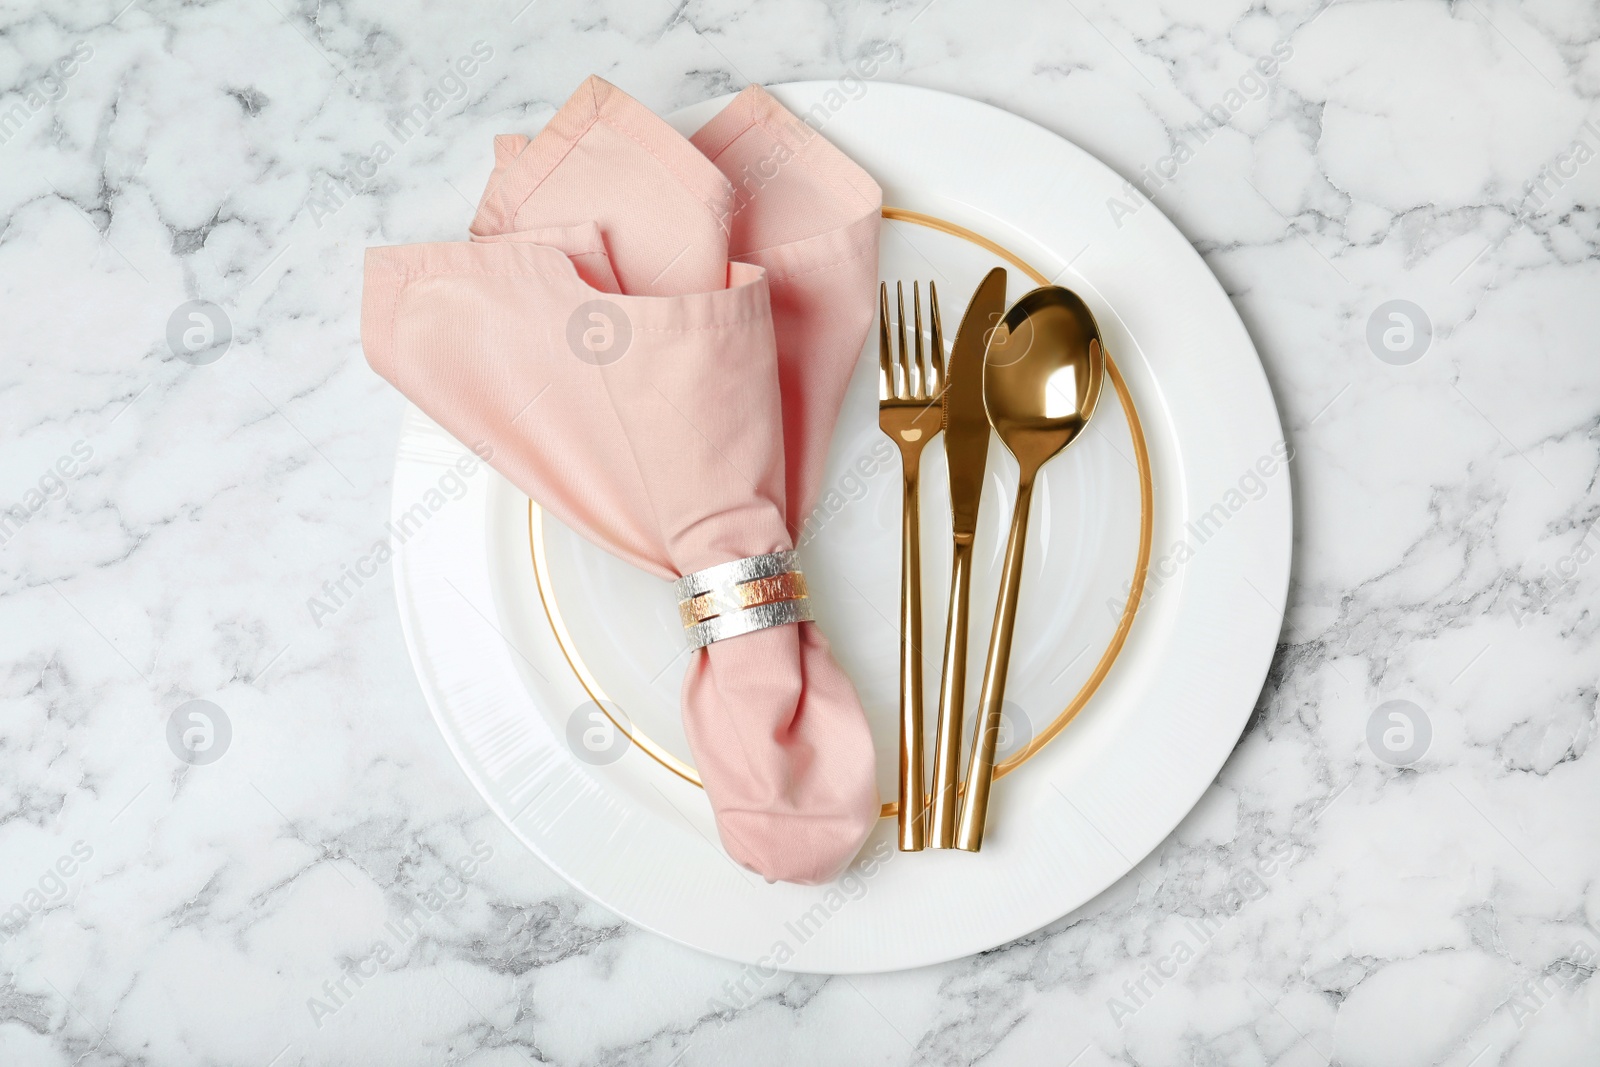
(920, 392)
(885, 368)
(938, 340)
(902, 368)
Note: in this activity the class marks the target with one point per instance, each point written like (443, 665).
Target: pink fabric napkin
(733, 278)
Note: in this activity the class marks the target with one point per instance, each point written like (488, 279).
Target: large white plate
(1074, 818)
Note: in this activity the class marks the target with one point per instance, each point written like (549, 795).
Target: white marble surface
(1336, 908)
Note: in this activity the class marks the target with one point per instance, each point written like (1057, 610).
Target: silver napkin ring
(742, 597)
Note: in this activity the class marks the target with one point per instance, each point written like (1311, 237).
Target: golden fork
(909, 411)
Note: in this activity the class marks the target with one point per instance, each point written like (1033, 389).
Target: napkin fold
(655, 335)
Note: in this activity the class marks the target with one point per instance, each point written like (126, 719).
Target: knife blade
(966, 446)
(966, 424)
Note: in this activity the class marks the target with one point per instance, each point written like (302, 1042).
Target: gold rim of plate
(552, 609)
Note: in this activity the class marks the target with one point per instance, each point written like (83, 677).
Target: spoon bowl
(1042, 374)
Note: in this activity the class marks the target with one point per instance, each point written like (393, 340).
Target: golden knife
(966, 446)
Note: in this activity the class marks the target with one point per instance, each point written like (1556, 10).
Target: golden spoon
(1041, 380)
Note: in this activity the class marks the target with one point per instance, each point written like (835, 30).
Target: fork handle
(952, 701)
(913, 796)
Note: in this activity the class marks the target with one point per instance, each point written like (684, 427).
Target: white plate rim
(1265, 532)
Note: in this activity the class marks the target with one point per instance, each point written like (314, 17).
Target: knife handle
(952, 701)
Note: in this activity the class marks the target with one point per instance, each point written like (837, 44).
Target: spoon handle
(980, 772)
(952, 701)
(913, 792)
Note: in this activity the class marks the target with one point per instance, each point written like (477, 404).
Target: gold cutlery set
(1032, 374)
